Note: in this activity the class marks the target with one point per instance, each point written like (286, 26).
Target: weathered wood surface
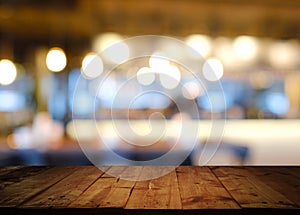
(185, 189)
(251, 191)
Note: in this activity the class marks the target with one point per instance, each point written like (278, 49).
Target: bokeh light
(145, 76)
(200, 43)
(191, 90)
(212, 69)
(105, 40)
(170, 77)
(223, 49)
(284, 55)
(56, 59)
(92, 66)
(118, 51)
(246, 48)
(8, 72)
(158, 62)
(277, 103)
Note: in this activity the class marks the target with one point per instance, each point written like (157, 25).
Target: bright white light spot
(87, 59)
(158, 62)
(246, 48)
(212, 69)
(92, 66)
(284, 55)
(8, 72)
(191, 90)
(117, 53)
(56, 60)
(200, 43)
(170, 77)
(145, 76)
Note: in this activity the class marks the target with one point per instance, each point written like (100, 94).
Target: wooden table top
(185, 190)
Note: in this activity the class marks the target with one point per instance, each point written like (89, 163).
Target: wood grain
(199, 188)
(281, 179)
(8, 169)
(11, 175)
(109, 191)
(158, 193)
(117, 190)
(67, 190)
(249, 191)
(20, 192)
(121, 189)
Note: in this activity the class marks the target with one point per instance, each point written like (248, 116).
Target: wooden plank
(186, 188)
(292, 170)
(4, 170)
(20, 192)
(92, 197)
(103, 193)
(249, 191)
(158, 193)
(281, 179)
(199, 188)
(114, 172)
(11, 175)
(67, 190)
(121, 189)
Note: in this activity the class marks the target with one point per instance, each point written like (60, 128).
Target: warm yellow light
(284, 55)
(246, 48)
(212, 69)
(105, 40)
(200, 43)
(112, 47)
(56, 59)
(141, 129)
(91, 66)
(8, 72)
(145, 76)
(224, 51)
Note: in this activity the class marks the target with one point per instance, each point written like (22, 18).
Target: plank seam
(212, 171)
(10, 170)
(103, 172)
(178, 188)
(5, 183)
(131, 190)
(43, 190)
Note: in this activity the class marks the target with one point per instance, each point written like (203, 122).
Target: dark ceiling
(75, 22)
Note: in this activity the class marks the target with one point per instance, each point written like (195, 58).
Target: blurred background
(45, 44)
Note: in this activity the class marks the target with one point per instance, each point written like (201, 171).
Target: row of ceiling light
(230, 53)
